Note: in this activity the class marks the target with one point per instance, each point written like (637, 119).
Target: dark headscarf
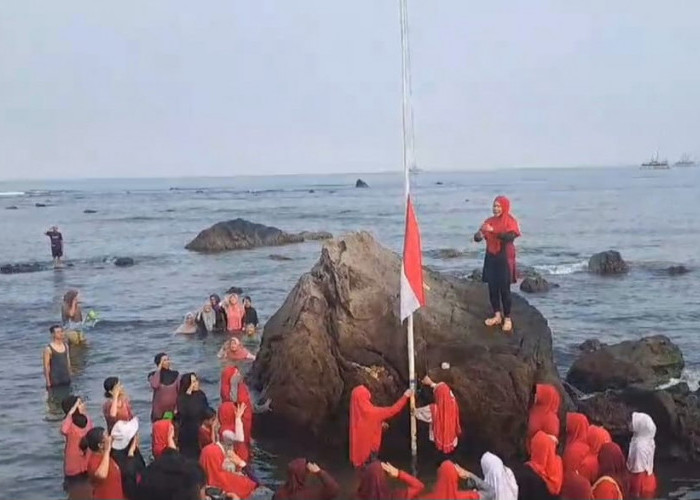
(78, 418)
(167, 376)
(296, 479)
(576, 487)
(373, 483)
(131, 468)
(612, 463)
(217, 304)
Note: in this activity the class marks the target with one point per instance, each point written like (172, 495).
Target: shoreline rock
(124, 262)
(339, 327)
(240, 234)
(535, 284)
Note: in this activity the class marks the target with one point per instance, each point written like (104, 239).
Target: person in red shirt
(447, 484)
(74, 428)
(231, 419)
(576, 487)
(298, 487)
(366, 421)
(218, 464)
(117, 406)
(102, 470)
(640, 460)
(162, 437)
(375, 486)
(545, 462)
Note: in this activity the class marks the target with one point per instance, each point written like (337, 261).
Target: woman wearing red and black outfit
(499, 271)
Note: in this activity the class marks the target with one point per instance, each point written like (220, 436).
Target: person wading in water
(499, 271)
(57, 360)
(56, 245)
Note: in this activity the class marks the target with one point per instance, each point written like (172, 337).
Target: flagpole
(408, 161)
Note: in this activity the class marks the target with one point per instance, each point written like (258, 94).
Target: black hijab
(79, 420)
(167, 376)
(131, 468)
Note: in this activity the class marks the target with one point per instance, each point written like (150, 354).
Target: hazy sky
(174, 87)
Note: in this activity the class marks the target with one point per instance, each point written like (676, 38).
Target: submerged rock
(40, 205)
(361, 184)
(240, 234)
(339, 327)
(89, 211)
(24, 267)
(445, 253)
(124, 262)
(11, 207)
(648, 362)
(278, 257)
(677, 270)
(607, 263)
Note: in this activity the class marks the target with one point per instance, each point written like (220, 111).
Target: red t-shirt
(109, 488)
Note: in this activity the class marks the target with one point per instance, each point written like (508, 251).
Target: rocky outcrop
(339, 327)
(607, 263)
(648, 363)
(240, 234)
(124, 262)
(89, 211)
(361, 184)
(535, 284)
(11, 207)
(24, 267)
(677, 270)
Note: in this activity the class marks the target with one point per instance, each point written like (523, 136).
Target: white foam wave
(11, 193)
(558, 269)
(690, 377)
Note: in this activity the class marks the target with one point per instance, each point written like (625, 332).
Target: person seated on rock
(233, 350)
(597, 437)
(499, 271)
(576, 487)
(577, 448)
(297, 486)
(640, 459)
(209, 430)
(188, 326)
(374, 484)
(234, 314)
(366, 423)
(543, 475)
(218, 307)
(442, 416)
(206, 319)
(499, 478)
(72, 317)
(221, 466)
(612, 483)
(250, 318)
(547, 402)
(447, 485)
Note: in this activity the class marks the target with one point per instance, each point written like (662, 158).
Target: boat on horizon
(655, 164)
(685, 161)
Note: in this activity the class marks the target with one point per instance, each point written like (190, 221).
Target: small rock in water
(89, 211)
(316, 235)
(279, 257)
(169, 209)
(534, 284)
(199, 191)
(439, 183)
(678, 270)
(361, 184)
(124, 262)
(607, 263)
(311, 191)
(40, 205)
(590, 345)
(26, 267)
(235, 289)
(11, 207)
(476, 275)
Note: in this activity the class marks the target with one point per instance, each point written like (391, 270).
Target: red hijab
(576, 487)
(227, 418)
(212, 461)
(447, 485)
(296, 479)
(160, 431)
(550, 424)
(577, 448)
(547, 400)
(612, 463)
(373, 484)
(545, 462)
(445, 414)
(243, 392)
(597, 437)
(504, 223)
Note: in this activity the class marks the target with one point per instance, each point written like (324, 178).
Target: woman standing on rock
(640, 460)
(499, 271)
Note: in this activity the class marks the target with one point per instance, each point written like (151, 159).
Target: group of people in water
(222, 316)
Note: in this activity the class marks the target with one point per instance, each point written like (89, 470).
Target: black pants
(498, 276)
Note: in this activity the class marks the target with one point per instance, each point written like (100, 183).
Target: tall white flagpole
(408, 163)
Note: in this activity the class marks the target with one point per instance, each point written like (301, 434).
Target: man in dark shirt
(56, 245)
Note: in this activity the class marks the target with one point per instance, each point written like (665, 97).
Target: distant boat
(685, 161)
(656, 164)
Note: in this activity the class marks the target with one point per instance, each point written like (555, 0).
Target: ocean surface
(566, 215)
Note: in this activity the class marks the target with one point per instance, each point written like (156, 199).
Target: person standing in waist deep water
(499, 271)
(72, 317)
(234, 314)
(250, 318)
(57, 360)
(56, 245)
(74, 428)
(164, 383)
(298, 487)
(192, 406)
(103, 471)
(117, 405)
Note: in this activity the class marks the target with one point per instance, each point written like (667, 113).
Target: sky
(165, 88)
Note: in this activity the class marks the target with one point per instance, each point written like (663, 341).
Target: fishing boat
(655, 164)
(685, 161)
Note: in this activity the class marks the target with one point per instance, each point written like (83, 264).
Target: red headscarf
(296, 479)
(577, 448)
(373, 484)
(366, 424)
(612, 463)
(160, 432)
(504, 223)
(547, 400)
(243, 392)
(550, 424)
(445, 415)
(447, 485)
(212, 461)
(545, 462)
(597, 437)
(576, 487)
(227, 418)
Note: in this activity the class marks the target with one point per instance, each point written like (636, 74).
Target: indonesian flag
(412, 296)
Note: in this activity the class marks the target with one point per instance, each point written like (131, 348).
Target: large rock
(339, 327)
(648, 362)
(607, 263)
(240, 234)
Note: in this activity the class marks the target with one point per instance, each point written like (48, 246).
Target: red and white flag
(412, 294)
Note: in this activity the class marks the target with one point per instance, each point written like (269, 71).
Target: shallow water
(652, 217)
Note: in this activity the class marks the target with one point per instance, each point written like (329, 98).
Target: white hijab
(642, 446)
(499, 477)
